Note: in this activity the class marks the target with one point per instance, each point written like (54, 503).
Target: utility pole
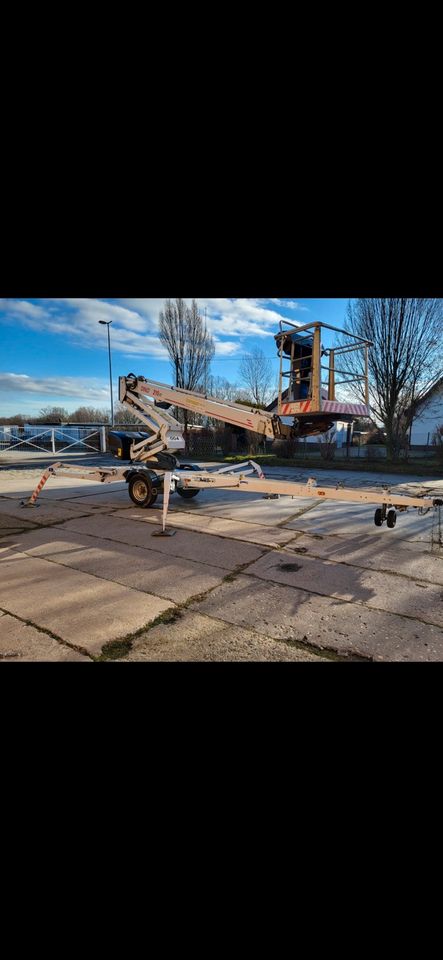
(206, 366)
(107, 323)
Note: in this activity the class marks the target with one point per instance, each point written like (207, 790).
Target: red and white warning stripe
(333, 406)
(288, 408)
(327, 406)
(40, 485)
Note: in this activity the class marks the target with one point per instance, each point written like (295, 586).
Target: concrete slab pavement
(241, 506)
(348, 519)
(188, 546)
(10, 524)
(48, 511)
(139, 568)
(350, 629)
(81, 609)
(406, 558)
(197, 637)
(88, 571)
(232, 529)
(381, 591)
(21, 642)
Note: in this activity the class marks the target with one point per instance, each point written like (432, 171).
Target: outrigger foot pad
(164, 533)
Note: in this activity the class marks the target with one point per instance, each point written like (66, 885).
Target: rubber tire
(391, 519)
(137, 482)
(378, 517)
(187, 494)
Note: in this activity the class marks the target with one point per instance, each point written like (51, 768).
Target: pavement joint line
(252, 543)
(171, 614)
(299, 513)
(226, 578)
(175, 611)
(16, 532)
(52, 523)
(361, 603)
(65, 643)
(215, 516)
(296, 644)
(96, 576)
(78, 496)
(268, 549)
(226, 536)
(360, 566)
(236, 571)
(175, 509)
(344, 537)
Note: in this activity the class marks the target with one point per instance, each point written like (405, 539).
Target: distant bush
(286, 448)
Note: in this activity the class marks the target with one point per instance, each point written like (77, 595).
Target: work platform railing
(308, 387)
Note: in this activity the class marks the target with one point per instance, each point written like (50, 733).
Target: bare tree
(190, 346)
(123, 414)
(53, 415)
(222, 389)
(256, 373)
(405, 360)
(89, 415)
(18, 419)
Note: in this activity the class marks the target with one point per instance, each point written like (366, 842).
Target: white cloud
(289, 304)
(137, 344)
(83, 388)
(149, 308)
(21, 309)
(78, 319)
(134, 330)
(226, 348)
(238, 317)
(89, 312)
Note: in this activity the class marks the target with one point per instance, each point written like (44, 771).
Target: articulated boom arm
(134, 391)
(167, 433)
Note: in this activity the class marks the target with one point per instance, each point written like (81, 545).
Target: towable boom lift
(312, 402)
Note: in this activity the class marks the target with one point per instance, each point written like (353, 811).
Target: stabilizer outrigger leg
(43, 479)
(167, 479)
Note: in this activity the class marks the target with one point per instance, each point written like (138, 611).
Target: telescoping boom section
(134, 391)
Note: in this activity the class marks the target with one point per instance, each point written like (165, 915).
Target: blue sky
(53, 352)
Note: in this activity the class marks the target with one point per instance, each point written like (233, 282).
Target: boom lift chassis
(238, 479)
(154, 469)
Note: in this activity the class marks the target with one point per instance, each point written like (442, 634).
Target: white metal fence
(57, 440)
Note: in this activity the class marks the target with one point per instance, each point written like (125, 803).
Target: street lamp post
(107, 323)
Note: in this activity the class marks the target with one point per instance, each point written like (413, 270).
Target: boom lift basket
(308, 386)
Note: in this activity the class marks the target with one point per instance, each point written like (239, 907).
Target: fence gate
(53, 439)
